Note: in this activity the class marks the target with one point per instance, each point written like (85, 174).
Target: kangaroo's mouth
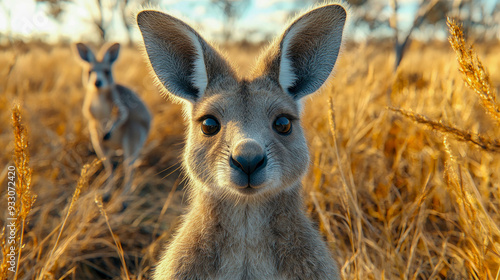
(248, 190)
(249, 184)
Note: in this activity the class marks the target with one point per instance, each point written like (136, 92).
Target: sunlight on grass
(410, 192)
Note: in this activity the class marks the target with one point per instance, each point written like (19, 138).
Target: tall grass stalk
(348, 194)
(481, 233)
(119, 249)
(473, 72)
(24, 197)
(87, 170)
(483, 142)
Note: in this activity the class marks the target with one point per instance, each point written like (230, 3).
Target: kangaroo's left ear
(84, 52)
(111, 53)
(303, 58)
(183, 61)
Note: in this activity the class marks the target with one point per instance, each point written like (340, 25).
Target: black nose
(98, 83)
(249, 164)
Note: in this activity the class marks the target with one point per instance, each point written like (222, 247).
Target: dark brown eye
(210, 126)
(282, 125)
(107, 72)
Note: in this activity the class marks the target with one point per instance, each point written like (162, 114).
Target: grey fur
(129, 129)
(245, 225)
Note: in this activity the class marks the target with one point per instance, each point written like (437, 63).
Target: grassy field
(394, 198)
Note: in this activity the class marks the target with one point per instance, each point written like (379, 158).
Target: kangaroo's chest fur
(228, 241)
(245, 246)
(98, 106)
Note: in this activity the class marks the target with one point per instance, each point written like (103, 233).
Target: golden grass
(24, 197)
(480, 230)
(83, 181)
(119, 249)
(474, 73)
(395, 199)
(483, 142)
(480, 247)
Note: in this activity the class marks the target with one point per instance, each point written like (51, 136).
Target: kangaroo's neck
(247, 216)
(99, 103)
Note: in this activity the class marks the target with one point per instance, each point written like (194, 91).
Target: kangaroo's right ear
(183, 61)
(85, 52)
(302, 60)
(111, 53)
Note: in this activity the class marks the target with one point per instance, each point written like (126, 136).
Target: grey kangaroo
(245, 152)
(117, 117)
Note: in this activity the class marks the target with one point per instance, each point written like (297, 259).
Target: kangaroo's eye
(107, 72)
(282, 125)
(210, 126)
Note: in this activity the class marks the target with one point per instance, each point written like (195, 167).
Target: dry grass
(67, 235)
(485, 143)
(474, 73)
(394, 199)
(24, 198)
(87, 170)
(481, 247)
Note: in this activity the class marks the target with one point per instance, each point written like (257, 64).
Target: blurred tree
(481, 18)
(8, 29)
(370, 13)
(102, 17)
(231, 9)
(124, 12)
(475, 14)
(357, 3)
(400, 44)
(438, 13)
(56, 7)
(104, 12)
(127, 8)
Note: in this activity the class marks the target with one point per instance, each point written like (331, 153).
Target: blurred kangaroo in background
(246, 153)
(117, 117)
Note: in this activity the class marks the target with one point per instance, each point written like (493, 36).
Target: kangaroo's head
(244, 137)
(99, 74)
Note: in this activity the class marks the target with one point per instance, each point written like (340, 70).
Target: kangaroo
(245, 152)
(117, 117)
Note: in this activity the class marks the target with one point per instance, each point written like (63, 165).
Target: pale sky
(262, 16)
